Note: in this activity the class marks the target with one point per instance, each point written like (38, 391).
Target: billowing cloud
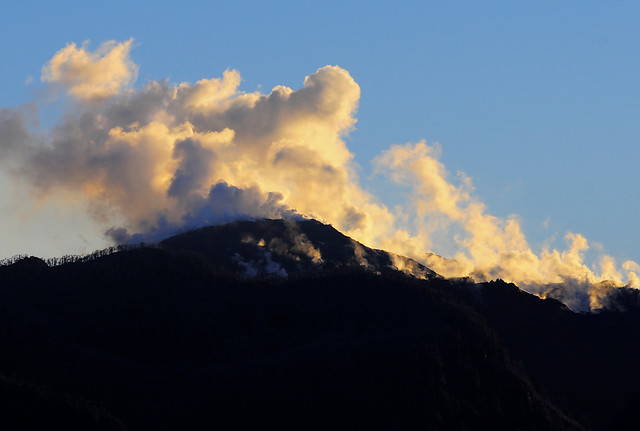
(208, 94)
(92, 76)
(489, 247)
(164, 157)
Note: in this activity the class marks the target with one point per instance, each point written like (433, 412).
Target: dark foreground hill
(286, 325)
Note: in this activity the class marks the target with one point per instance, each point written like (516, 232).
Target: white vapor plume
(490, 247)
(155, 160)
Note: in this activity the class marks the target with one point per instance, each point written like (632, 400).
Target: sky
(527, 112)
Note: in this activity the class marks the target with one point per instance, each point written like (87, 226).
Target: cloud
(92, 76)
(154, 160)
(264, 266)
(14, 130)
(208, 94)
(153, 154)
(294, 244)
(224, 203)
(489, 247)
(301, 244)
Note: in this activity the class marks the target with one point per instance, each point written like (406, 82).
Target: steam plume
(154, 160)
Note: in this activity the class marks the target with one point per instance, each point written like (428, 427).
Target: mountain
(292, 325)
(279, 248)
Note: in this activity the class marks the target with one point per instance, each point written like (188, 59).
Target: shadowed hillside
(279, 248)
(295, 326)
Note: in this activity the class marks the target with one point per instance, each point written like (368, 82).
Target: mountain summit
(278, 248)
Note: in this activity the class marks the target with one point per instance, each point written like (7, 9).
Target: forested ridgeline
(170, 337)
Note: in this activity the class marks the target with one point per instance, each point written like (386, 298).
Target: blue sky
(537, 102)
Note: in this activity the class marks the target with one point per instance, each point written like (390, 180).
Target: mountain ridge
(289, 245)
(182, 334)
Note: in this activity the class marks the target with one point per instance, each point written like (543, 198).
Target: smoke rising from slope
(162, 158)
(491, 247)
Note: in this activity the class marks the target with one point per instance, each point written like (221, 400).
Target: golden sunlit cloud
(92, 76)
(155, 160)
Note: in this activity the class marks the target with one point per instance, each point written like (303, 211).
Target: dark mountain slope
(588, 364)
(168, 338)
(29, 407)
(267, 247)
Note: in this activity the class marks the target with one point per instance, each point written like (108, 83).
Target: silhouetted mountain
(586, 363)
(279, 248)
(293, 325)
(29, 407)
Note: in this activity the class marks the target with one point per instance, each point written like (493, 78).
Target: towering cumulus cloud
(161, 158)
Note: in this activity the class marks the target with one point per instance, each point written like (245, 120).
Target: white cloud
(92, 76)
(164, 157)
